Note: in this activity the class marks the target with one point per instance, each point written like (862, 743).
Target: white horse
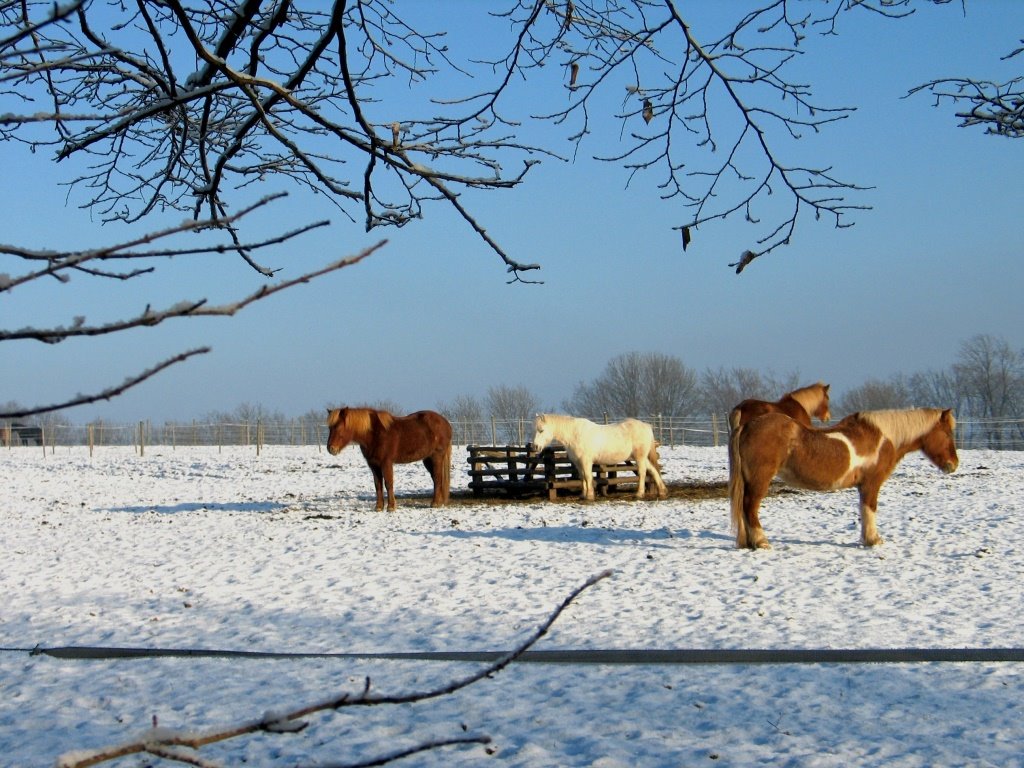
(588, 443)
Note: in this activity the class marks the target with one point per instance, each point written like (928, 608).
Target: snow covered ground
(198, 548)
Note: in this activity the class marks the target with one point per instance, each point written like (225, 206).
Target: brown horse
(386, 440)
(800, 404)
(862, 450)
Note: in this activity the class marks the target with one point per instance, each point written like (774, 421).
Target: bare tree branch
(106, 394)
(197, 308)
(57, 265)
(288, 90)
(997, 107)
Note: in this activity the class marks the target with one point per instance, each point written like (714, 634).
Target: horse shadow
(261, 507)
(582, 534)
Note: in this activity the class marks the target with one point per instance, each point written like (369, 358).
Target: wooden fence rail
(999, 434)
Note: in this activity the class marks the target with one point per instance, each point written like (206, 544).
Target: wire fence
(710, 431)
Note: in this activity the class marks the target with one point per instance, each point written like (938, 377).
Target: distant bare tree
(245, 413)
(637, 384)
(991, 375)
(514, 409)
(876, 394)
(722, 389)
(936, 389)
(468, 420)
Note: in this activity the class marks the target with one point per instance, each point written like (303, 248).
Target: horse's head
(821, 412)
(543, 434)
(339, 433)
(939, 444)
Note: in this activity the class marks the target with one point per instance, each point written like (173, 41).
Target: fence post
(714, 427)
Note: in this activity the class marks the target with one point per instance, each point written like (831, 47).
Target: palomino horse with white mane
(588, 443)
(386, 440)
(860, 451)
(801, 404)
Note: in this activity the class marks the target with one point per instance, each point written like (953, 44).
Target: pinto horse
(801, 404)
(588, 443)
(860, 451)
(386, 440)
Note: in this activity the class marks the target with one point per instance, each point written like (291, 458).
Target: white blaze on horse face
(857, 461)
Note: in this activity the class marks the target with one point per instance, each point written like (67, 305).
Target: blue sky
(430, 317)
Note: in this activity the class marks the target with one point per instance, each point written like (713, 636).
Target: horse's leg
(378, 485)
(737, 483)
(586, 470)
(641, 475)
(750, 476)
(659, 481)
(428, 462)
(653, 461)
(868, 506)
(389, 482)
(434, 467)
(445, 472)
(752, 497)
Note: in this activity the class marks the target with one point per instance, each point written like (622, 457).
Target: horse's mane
(357, 420)
(809, 396)
(903, 426)
(559, 418)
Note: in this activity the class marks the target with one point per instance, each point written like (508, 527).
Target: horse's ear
(949, 418)
(825, 387)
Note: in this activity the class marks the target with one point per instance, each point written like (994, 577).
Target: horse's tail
(735, 417)
(654, 457)
(737, 485)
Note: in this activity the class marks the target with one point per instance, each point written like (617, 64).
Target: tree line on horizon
(985, 382)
